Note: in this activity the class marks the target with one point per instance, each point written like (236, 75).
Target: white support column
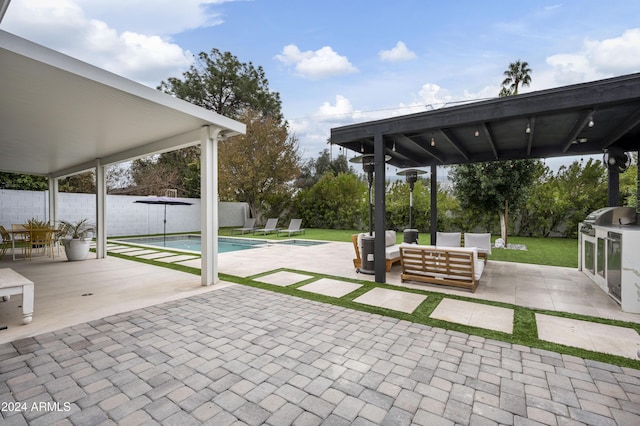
(209, 205)
(101, 198)
(53, 201)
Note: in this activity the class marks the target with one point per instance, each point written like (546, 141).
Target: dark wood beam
(628, 124)
(407, 140)
(451, 139)
(532, 131)
(581, 123)
(488, 134)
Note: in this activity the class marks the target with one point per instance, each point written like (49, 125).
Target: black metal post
(164, 228)
(434, 203)
(379, 254)
(411, 184)
(370, 177)
(613, 188)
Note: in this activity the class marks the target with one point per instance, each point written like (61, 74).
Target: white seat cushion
(448, 239)
(481, 241)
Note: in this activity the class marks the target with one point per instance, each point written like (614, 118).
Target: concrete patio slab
(330, 287)
(283, 278)
(401, 301)
(596, 337)
(69, 293)
(474, 314)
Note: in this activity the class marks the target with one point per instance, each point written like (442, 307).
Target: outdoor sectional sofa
(452, 266)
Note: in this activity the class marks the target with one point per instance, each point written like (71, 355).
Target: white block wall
(124, 216)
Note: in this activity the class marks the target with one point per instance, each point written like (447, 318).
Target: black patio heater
(411, 175)
(368, 241)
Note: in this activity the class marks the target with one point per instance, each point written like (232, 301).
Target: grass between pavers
(525, 330)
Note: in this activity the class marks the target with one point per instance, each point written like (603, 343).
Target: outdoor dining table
(17, 231)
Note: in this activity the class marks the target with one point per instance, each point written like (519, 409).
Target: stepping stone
(156, 255)
(140, 252)
(592, 336)
(401, 301)
(123, 249)
(474, 314)
(193, 263)
(178, 258)
(329, 287)
(283, 278)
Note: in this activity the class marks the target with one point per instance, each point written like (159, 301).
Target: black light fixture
(368, 165)
(411, 176)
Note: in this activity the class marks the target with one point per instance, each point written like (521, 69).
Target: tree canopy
(518, 74)
(260, 167)
(488, 186)
(315, 168)
(220, 82)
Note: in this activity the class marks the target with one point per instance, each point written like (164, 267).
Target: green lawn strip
(524, 328)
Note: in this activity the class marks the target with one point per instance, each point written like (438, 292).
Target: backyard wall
(124, 216)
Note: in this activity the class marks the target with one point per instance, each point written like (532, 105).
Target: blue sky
(341, 62)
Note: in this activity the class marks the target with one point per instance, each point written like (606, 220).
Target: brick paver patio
(246, 355)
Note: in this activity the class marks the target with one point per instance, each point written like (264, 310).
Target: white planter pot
(76, 249)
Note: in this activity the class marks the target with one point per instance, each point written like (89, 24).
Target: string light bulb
(433, 141)
(394, 147)
(477, 133)
(528, 129)
(591, 123)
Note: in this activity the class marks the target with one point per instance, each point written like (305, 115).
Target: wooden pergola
(582, 119)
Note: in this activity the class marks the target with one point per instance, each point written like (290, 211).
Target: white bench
(12, 283)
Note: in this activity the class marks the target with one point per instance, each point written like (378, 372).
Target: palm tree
(515, 76)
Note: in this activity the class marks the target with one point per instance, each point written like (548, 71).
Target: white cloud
(153, 16)
(342, 107)
(322, 63)
(598, 59)
(398, 53)
(620, 55)
(63, 25)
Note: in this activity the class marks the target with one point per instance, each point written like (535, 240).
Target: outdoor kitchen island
(609, 245)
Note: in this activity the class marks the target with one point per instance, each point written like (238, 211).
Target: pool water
(225, 244)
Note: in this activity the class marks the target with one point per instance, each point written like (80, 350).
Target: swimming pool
(225, 244)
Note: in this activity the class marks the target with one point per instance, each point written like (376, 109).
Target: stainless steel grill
(608, 216)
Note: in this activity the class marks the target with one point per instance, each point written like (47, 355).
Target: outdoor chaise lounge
(249, 226)
(271, 226)
(294, 228)
(391, 249)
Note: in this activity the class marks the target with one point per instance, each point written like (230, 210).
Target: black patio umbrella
(166, 201)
